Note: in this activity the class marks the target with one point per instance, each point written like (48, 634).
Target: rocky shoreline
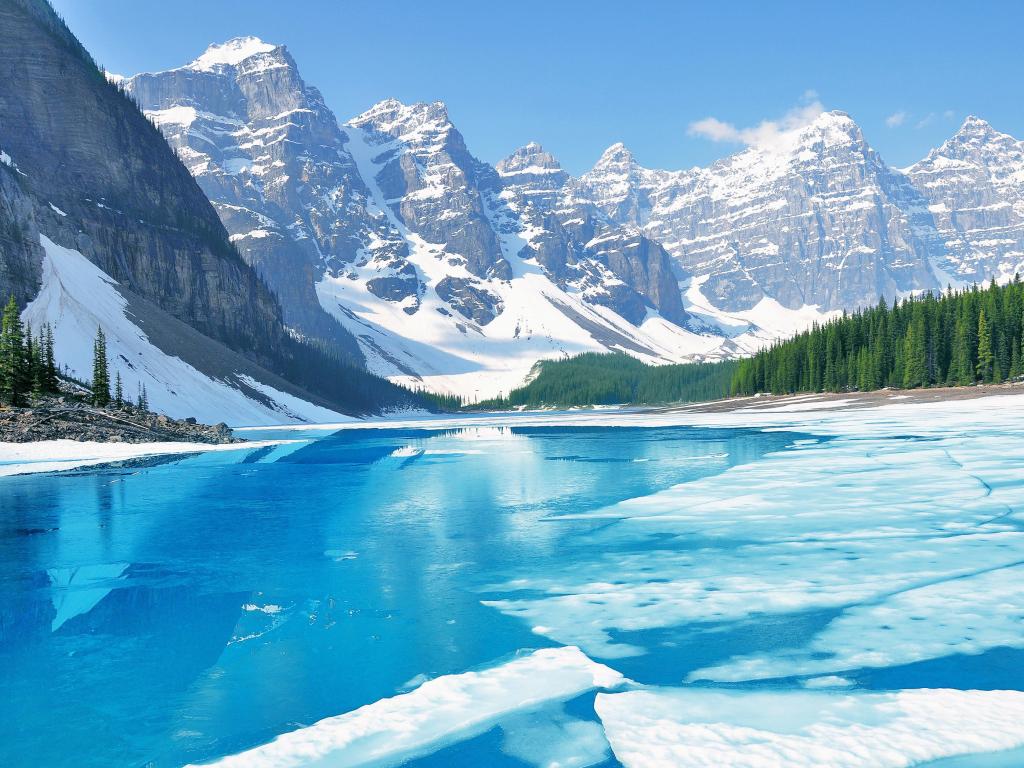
(63, 420)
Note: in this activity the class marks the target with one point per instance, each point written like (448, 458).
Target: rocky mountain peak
(529, 159)
(393, 117)
(978, 141)
(230, 53)
(975, 126)
(617, 157)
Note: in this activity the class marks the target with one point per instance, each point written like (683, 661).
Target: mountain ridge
(732, 256)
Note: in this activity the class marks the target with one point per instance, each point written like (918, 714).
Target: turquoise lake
(194, 608)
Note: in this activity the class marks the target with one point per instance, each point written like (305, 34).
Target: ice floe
(680, 728)
(446, 707)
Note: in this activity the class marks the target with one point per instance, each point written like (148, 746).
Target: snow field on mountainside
(77, 298)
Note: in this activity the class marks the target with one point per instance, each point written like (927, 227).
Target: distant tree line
(958, 338)
(596, 378)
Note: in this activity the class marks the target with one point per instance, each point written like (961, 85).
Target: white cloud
(925, 121)
(767, 133)
(896, 119)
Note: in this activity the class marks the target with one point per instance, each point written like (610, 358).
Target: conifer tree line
(959, 338)
(28, 369)
(595, 378)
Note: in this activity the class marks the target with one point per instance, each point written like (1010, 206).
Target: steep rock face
(20, 272)
(432, 182)
(818, 219)
(102, 226)
(269, 154)
(509, 270)
(128, 204)
(974, 184)
(581, 248)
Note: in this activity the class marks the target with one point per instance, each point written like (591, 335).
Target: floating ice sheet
(416, 722)
(681, 728)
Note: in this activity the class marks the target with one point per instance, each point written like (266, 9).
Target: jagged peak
(978, 129)
(231, 53)
(836, 124)
(391, 111)
(974, 135)
(617, 155)
(529, 158)
(975, 124)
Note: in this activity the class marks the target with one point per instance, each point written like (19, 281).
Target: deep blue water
(222, 599)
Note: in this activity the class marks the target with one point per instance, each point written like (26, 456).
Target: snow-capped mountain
(974, 183)
(447, 270)
(459, 275)
(102, 226)
(269, 155)
(816, 219)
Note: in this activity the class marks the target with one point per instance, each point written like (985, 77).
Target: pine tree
(143, 401)
(118, 391)
(915, 363)
(51, 383)
(961, 366)
(100, 374)
(986, 358)
(34, 362)
(13, 371)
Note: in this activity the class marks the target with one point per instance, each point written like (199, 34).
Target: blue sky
(578, 76)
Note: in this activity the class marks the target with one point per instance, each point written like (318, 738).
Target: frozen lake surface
(792, 587)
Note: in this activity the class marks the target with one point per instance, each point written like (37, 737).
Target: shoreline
(764, 412)
(871, 399)
(63, 455)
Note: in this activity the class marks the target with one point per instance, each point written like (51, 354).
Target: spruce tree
(34, 362)
(51, 381)
(100, 375)
(118, 391)
(13, 370)
(986, 358)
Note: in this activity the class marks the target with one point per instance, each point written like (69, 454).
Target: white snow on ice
(681, 728)
(452, 706)
(60, 455)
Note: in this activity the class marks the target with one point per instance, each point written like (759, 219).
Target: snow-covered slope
(77, 297)
(472, 334)
(814, 219)
(974, 183)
